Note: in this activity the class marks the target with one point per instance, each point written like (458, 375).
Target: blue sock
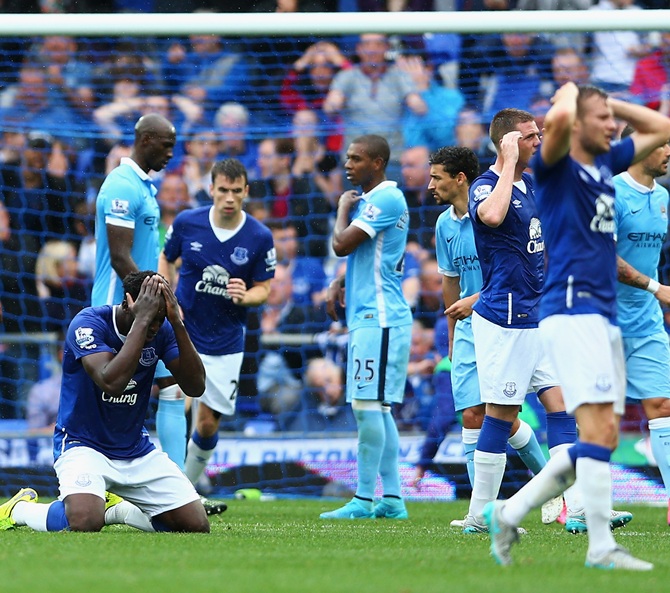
(371, 435)
(494, 435)
(659, 435)
(56, 518)
(171, 429)
(388, 466)
(561, 429)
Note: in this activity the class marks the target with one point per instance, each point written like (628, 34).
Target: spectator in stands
(394, 5)
(574, 40)
(568, 65)
(26, 105)
(84, 225)
(434, 128)
(520, 69)
(324, 406)
(372, 96)
(472, 133)
(652, 75)
(231, 123)
(201, 149)
(313, 157)
(295, 198)
(206, 71)
(43, 398)
(414, 412)
(429, 304)
(172, 198)
(69, 78)
(307, 274)
(423, 210)
(61, 291)
(614, 54)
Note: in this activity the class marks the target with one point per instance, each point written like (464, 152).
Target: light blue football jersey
(374, 295)
(576, 205)
(215, 324)
(89, 417)
(641, 228)
(456, 251)
(511, 255)
(126, 199)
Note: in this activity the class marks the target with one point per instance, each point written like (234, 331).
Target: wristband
(653, 286)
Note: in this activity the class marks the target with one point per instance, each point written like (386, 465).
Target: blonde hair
(50, 260)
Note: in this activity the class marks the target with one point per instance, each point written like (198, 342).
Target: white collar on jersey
(382, 185)
(126, 160)
(643, 189)
(521, 184)
(454, 216)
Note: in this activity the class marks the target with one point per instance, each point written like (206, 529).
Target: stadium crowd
(287, 109)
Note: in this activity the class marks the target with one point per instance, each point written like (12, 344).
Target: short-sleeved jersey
(576, 204)
(456, 251)
(641, 228)
(375, 268)
(126, 199)
(89, 417)
(511, 255)
(215, 324)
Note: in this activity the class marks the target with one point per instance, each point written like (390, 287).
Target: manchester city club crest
(240, 256)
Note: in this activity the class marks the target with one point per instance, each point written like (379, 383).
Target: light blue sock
(659, 434)
(171, 429)
(371, 434)
(388, 466)
(524, 442)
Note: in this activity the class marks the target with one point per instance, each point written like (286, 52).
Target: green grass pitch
(282, 546)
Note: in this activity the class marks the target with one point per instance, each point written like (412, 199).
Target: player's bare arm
(451, 289)
(558, 123)
(652, 129)
(187, 368)
(120, 241)
(113, 372)
(493, 210)
(347, 237)
(629, 275)
(248, 297)
(335, 295)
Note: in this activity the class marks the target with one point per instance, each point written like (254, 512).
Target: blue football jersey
(641, 228)
(126, 199)
(456, 251)
(511, 255)
(576, 204)
(374, 295)
(215, 324)
(87, 416)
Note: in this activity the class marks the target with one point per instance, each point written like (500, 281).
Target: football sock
(199, 451)
(594, 479)
(388, 466)
(524, 442)
(573, 500)
(126, 513)
(556, 476)
(34, 515)
(659, 434)
(171, 424)
(371, 436)
(489, 461)
(470, 436)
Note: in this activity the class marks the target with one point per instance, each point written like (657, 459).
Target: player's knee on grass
(191, 518)
(85, 512)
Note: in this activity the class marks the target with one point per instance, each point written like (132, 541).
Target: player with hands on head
(100, 443)
(578, 317)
